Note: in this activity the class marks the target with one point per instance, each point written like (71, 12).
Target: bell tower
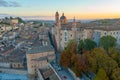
(74, 28)
(57, 30)
(57, 18)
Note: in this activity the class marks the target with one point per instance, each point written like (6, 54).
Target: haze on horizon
(81, 9)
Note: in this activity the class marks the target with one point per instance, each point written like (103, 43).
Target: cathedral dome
(62, 17)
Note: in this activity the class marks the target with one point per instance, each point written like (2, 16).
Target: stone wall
(5, 64)
(13, 71)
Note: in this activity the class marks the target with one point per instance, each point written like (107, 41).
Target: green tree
(107, 42)
(81, 46)
(20, 20)
(11, 17)
(86, 44)
(101, 75)
(6, 18)
(89, 44)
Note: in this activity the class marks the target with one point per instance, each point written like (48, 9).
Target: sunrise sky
(81, 9)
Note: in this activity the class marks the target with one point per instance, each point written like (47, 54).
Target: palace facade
(64, 31)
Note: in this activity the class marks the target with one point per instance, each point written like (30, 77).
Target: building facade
(38, 58)
(64, 31)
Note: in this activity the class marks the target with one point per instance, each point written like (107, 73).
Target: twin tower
(62, 19)
(62, 26)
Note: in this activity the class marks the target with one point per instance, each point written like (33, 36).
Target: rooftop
(40, 49)
(69, 26)
(48, 73)
(40, 59)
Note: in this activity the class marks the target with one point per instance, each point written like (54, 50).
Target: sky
(81, 9)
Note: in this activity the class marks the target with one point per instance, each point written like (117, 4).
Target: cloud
(4, 3)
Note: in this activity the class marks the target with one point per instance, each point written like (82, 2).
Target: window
(18, 65)
(71, 35)
(117, 32)
(65, 39)
(111, 33)
(65, 33)
(105, 33)
(114, 32)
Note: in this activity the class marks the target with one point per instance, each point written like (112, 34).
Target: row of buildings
(63, 31)
(27, 48)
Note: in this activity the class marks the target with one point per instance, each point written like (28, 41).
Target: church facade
(64, 31)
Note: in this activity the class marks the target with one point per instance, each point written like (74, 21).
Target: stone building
(14, 21)
(63, 31)
(11, 57)
(38, 57)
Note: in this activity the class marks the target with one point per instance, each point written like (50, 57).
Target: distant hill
(106, 21)
(28, 17)
(81, 20)
(50, 19)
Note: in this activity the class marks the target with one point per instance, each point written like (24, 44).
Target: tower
(57, 30)
(74, 29)
(57, 18)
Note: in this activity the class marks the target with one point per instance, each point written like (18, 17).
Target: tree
(6, 18)
(72, 46)
(116, 74)
(115, 54)
(107, 42)
(20, 20)
(65, 59)
(101, 75)
(89, 44)
(70, 59)
(86, 44)
(95, 58)
(78, 67)
(11, 17)
(105, 22)
(99, 59)
(67, 54)
(81, 46)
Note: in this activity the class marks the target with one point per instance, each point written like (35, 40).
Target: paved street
(63, 73)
